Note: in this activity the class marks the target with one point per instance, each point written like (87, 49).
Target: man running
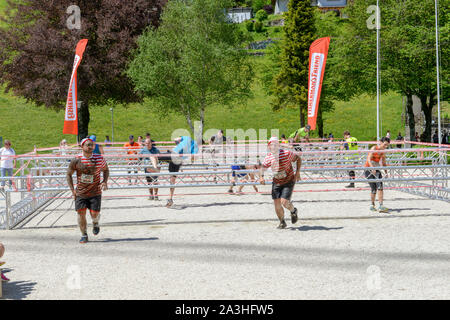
(88, 194)
(185, 145)
(373, 161)
(149, 149)
(280, 161)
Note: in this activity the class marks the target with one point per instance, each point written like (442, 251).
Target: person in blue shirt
(98, 149)
(184, 145)
(150, 166)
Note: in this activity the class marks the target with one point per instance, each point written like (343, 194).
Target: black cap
(131, 137)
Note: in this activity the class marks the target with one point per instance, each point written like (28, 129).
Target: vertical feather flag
(71, 115)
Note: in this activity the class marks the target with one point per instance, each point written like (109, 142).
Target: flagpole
(378, 71)
(437, 71)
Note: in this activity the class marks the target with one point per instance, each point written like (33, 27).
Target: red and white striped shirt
(88, 174)
(281, 165)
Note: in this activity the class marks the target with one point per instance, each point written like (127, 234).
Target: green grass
(27, 125)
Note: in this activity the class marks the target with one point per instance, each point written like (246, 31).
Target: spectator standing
(63, 147)
(7, 162)
(444, 137)
(132, 147)
(151, 166)
(108, 142)
(399, 138)
(416, 137)
(140, 141)
(388, 134)
(436, 137)
(98, 149)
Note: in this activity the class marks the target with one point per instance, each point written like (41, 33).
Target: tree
(37, 50)
(407, 52)
(192, 61)
(291, 84)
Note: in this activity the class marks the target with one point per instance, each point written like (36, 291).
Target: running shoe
(294, 216)
(4, 278)
(151, 198)
(372, 208)
(383, 209)
(169, 203)
(230, 191)
(351, 185)
(2, 263)
(156, 198)
(282, 225)
(96, 229)
(84, 238)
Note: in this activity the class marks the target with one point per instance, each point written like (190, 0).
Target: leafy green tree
(37, 50)
(192, 61)
(291, 84)
(261, 15)
(407, 52)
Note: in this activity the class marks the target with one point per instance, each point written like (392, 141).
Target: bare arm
(69, 178)
(298, 160)
(105, 177)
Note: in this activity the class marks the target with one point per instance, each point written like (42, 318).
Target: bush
(261, 15)
(249, 25)
(276, 29)
(268, 8)
(258, 26)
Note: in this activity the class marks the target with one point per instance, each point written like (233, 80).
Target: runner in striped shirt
(280, 161)
(88, 194)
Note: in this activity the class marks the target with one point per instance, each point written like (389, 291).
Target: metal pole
(78, 120)
(112, 123)
(378, 71)
(437, 70)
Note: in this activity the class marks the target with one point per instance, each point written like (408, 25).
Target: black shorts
(282, 190)
(150, 179)
(374, 186)
(174, 167)
(93, 203)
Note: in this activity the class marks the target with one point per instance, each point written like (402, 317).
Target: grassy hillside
(28, 125)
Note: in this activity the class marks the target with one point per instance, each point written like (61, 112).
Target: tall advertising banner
(318, 52)
(71, 115)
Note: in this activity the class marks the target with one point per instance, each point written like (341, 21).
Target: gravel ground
(227, 247)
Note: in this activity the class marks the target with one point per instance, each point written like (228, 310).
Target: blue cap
(93, 138)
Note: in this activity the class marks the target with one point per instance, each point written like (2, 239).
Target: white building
(282, 5)
(238, 15)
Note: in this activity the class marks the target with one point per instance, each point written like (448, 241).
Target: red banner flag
(71, 116)
(318, 52)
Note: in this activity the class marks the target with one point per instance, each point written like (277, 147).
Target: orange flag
(71, 115)
(317, 60)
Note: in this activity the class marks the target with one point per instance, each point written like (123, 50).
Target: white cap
(273, 139)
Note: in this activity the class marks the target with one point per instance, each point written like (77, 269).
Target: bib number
(87, 178)
(280, 175)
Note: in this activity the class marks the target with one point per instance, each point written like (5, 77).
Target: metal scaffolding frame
(42, 178)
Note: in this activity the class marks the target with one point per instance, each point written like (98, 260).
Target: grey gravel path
(227, 247)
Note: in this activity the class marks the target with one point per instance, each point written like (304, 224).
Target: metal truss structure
(42, 178)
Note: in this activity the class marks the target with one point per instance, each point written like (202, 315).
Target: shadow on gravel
(125, 239)
(316, 228)
(214, 204)
(408, 209)
(17, 290)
